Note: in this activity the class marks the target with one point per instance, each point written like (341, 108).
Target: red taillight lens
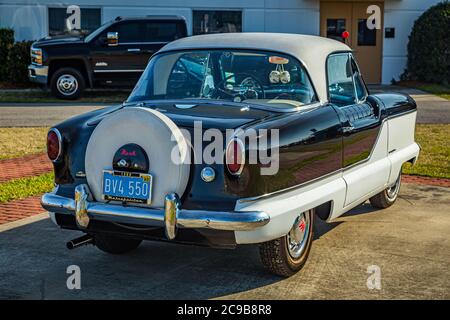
(53, 145)
(235, 157)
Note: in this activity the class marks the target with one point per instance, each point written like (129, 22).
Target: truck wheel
(287, 255)
(115, 245)
(67, 83)
(387, 197)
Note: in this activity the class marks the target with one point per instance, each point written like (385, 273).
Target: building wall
(400, 14)
(29, 18)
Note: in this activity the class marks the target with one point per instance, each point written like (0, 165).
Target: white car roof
(312, 51)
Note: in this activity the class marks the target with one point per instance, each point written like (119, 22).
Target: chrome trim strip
(292, 188)
(243, 104)
(396, 115)
(118, 70)
(171, 217)
(138, 43)
(376, 141)
(342, 170)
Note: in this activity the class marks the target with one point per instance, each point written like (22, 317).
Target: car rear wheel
(286, 255)
(67, 83)
(387, 197)
(115, 245)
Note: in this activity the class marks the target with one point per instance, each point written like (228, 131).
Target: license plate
(127, 186)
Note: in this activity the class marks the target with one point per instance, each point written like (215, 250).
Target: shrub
(429, 46)
(18, 61)
(6, 42)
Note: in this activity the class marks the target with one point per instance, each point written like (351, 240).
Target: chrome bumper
(37, 73)
(170, 217)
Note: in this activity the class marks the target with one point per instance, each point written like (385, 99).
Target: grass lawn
(25, 187)
(437, 89)
(44, 97)
(434, 158)
(18, 142)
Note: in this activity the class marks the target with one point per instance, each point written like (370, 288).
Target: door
(361, 127)
(123, 63)
(351, 16)
(367, 43)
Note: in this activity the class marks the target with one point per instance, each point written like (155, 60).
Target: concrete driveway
(409, 242)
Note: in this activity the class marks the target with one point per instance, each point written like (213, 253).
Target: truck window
(162, 31)
(128, 31)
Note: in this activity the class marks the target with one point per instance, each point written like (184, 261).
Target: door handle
(134, 50)
(348, 129)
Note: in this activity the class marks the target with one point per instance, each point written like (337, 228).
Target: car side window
(129, 31)
(340, 79)
(361, 92)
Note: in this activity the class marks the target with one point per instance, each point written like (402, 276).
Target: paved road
(39, 115)
(431, 109)
(409, 242)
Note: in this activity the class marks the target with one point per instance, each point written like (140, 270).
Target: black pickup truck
(115, 54)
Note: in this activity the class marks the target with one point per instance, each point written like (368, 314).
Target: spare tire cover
(151, 130)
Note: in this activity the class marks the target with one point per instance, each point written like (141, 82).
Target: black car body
(113, 55)
(336, 146)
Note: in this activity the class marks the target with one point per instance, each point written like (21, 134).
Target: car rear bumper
(170, 217)
(38, 74)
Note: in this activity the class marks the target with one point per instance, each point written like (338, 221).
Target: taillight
(235, 156)
(54, 144)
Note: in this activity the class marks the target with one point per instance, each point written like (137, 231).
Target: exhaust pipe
(78, 242)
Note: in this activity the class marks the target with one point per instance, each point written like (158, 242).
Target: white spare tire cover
(151, 130)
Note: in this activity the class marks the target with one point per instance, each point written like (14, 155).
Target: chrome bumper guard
(170, 217)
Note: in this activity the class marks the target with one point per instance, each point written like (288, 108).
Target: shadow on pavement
(34, 260)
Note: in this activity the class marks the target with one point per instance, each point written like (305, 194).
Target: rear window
(162, 31)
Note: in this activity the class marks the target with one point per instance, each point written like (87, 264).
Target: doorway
(339, 16)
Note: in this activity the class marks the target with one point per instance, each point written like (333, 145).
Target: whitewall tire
(387, 197)
(286, 255)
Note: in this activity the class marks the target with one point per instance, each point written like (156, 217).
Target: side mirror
(112, 39)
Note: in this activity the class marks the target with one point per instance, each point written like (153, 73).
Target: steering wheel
(249, 88)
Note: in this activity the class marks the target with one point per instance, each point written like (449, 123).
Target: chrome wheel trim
(297, 238)
(392, 191)
(67, 84)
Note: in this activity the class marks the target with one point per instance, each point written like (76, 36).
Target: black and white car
(323, 146)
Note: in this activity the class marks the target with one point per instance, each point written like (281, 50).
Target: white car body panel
(345, 189)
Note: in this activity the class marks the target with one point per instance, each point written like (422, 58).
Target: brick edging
(19, 209)
(28, 166)
(439, 182)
